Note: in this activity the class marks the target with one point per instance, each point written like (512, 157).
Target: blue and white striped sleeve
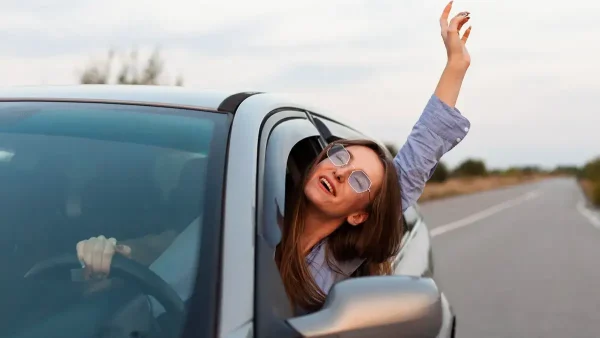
(439, 129)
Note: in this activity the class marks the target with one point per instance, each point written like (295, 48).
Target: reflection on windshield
(69, 172)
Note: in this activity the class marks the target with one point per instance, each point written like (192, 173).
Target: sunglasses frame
(353, 171)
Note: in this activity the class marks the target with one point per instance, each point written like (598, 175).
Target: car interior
(67, 208)
(299, 160)
(59, 189)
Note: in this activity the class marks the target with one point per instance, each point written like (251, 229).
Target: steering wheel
(148, 281)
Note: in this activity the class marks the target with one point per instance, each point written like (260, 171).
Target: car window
(71, 171)
(281, 170)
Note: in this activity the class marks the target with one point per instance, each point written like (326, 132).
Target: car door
(288, 143)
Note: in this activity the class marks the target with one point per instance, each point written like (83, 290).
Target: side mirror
(378, 306)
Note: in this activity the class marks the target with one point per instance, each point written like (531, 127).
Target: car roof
(165, 95)
(159, 95)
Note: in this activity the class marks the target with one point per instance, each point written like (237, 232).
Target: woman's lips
(326, 185)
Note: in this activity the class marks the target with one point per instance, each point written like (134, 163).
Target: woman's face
(329, 190)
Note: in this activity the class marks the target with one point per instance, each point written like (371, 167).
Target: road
(519, 262)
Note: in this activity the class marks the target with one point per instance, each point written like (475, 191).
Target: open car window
(71, 171)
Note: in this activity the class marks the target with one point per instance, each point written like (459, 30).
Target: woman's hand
(455, 45)
(95, 255)
(459, 59)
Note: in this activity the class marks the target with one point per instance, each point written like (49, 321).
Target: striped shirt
(439, 129)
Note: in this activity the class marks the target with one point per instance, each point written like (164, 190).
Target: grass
(591, 191)
(588, 187)
(463, 186)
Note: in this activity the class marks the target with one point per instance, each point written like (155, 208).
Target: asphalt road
(519, 262)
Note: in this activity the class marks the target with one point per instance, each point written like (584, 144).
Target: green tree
(591, 170)
(99, 72)
(595, 198)
(512, 171)
(567, 170)
(496, 172)
(440, 174)
(530, 170)
(470, 167)
(130, 72)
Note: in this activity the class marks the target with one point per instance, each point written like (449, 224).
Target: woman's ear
(357, 218)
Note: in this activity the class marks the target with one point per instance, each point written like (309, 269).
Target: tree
(471, 167)
(98, 74)
(129, 73)
(591, 170)
(567, 170)
(440, 174)
(595, 197)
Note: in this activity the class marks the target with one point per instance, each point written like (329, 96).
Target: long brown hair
(377, 240)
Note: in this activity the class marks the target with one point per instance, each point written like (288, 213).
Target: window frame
(272, 307)
(270, 299)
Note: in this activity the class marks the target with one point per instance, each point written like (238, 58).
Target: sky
(531, 91)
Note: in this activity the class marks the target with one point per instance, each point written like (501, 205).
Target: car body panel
(240, 203)
(160, 95)
(414, 258)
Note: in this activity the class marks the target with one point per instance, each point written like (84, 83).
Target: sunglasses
(358, 179)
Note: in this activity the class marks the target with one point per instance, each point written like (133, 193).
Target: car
(201, 178)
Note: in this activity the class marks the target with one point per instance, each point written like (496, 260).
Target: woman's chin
(313, 196)
(320, 203)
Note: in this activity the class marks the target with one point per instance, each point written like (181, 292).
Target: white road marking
(588, 214)
(483, 214)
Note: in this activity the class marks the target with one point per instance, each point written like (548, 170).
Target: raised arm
(441, 126)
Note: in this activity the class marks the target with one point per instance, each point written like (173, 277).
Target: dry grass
(588, 188)
(462, 186)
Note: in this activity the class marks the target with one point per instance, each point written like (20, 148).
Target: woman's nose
(342, 173)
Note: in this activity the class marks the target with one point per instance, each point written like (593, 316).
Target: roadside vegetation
(125, 67)
(589, 179)
(472, 175)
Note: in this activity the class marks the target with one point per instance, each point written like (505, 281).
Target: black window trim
(233, 102)
(118, 102)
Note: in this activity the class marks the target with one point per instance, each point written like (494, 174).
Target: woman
(346, 220)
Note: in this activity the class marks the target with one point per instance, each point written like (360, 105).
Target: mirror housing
(377, 306)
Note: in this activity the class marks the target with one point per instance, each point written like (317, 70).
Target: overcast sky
(531, 93)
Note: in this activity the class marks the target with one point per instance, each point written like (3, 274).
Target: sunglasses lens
(338, 155)
(359, 181)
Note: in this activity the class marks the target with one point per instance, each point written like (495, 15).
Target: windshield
(73, 171)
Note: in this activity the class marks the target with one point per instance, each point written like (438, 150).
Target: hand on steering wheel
(129, 270)
(96, 255)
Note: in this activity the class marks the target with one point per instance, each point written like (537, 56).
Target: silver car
(196, 183)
